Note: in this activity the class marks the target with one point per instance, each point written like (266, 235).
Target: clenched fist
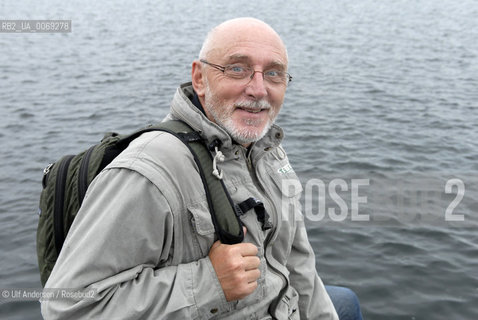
(237, 268)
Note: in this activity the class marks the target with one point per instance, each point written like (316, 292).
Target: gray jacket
(142, 236)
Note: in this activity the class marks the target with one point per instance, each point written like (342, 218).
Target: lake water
(381, 126)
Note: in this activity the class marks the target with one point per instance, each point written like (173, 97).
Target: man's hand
(237, 268)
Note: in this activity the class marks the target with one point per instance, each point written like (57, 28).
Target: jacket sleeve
(314, 302)
(122, 233)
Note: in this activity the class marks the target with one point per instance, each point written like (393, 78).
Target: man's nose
(257, 85)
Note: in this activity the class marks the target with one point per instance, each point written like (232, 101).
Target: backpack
(65, 183)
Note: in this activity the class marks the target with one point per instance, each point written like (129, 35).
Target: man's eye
(273, 73)
(237, 69)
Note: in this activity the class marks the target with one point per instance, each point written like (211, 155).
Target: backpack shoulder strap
(66, 181)
(226, 221)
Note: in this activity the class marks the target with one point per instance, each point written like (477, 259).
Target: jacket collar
(182, 108)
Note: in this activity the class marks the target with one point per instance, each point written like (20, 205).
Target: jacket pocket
(201, 222)
(286, 185)
(285, 178)
(288, 307)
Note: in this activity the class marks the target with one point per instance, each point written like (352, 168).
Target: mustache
(253, 105)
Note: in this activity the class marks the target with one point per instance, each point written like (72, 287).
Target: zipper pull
(46, 171)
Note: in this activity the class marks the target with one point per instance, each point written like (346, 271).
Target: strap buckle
(259, 208)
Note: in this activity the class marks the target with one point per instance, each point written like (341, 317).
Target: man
(144, 239)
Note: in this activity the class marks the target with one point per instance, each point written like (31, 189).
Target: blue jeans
(345, 302)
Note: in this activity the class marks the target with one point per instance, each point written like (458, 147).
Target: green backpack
(66, 181)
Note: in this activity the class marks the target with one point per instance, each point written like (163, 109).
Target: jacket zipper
(262, 190)
(60, 192)
(270, 236)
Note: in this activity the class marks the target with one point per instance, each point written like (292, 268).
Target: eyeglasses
(240, 71)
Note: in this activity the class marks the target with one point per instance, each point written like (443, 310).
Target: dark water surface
(383, 106)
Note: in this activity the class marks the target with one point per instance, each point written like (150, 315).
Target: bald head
(225, 35)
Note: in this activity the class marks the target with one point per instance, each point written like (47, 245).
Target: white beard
(223, 118)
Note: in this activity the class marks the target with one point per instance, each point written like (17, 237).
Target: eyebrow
(246, 58)
(238, 57)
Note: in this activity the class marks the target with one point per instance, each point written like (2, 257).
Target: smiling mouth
(251, 110)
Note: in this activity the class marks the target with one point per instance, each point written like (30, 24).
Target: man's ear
(197, 78)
